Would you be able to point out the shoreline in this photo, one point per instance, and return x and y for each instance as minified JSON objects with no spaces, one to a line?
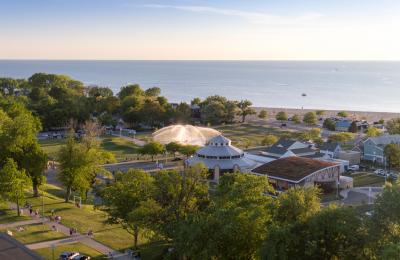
{"x":370,"y":116}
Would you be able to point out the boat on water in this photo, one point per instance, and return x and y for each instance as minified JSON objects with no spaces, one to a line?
{"x":304,"y":95}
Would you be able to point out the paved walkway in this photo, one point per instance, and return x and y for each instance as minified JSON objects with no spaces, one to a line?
{"x":20,"y":223}
{"x":65,"y":230}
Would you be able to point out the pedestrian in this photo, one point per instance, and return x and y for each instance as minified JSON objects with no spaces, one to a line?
{"x":52,"y":212}
{"x":70,"y":232}
{"x":36,"y":213}
{"x":110,"y":255}
{"x":30,"y":211}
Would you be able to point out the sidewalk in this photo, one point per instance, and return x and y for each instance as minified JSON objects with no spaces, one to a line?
{"x":20,"y":223}
{"x":65,"y":230}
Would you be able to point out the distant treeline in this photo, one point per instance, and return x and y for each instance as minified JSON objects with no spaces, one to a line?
{"x":58,"y":99}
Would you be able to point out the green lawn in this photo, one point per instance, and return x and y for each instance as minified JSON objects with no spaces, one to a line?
{"x":250,"y":135}
{"x":36,"y":233}
{"x":51,"y":147}
{"x":83,"y":219}
{"x":120,"y":147}
{"x":367,"y":179}
{"x":7,"y":215}
{"x":47,"y":253}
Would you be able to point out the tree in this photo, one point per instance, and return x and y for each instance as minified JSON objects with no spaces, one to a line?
{"x":18,"y":131}
{"x":196,"y":101}
{"x":296,"y":119}
{"x":296,"y":205}
{"x":340,"y":137}
{"x":329,"y":124}
{"x":130,"y":90}
{"x":281,"y":116}
{"x":152,"y":92}
{"x":234,"y":224}
{"x":393,"y":126}
{"x":392,"y":154}
{"x":342,"y":114}
{"x":269,"y":140}
{"x":188,"y":150}
{"x":13,"y":183}
{"x":245,"y":109}
{"x":34,"y":161}
{"x":320,"y":112}
{"x":384,"y":226}
{"x":80,"y":163}
{"x":372,"y":131}
{"x":310,"y":118}
{"x":126,"y":197}
{"x":152,"y":149}
{"x":173,"y":148}
{"x":263,"y":114}
{"x":178,"y":195}
{"x":353,"y":127}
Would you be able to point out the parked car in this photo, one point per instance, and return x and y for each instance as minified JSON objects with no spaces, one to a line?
{"x":68,"y":255}
{"x":380,"y":172}
{"x":392,"y":175}
{"x":354,"y":168}
{"x":81,"y":257}
{"x":283,"y":125}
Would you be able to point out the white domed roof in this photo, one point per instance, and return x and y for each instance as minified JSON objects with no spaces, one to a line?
{"x":219,"y":146}
{"x":184,"y":134}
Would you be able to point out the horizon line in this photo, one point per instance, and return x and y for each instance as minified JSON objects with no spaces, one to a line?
{"x":211,"y":60}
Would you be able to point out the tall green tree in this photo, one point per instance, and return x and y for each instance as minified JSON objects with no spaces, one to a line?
{"x":173,"y":148}
{"x":233,"y":226}
{"x":80,"y":162}
{"x":13,"y":183}
{"x":245,"y":109}
{"x":393,"y":126}
{"x":310,"y":118}
{"x":281,"y":116}
{"x":329,"y":124}
{"x":263,"y":114}
{"x":152,"y":149}
{"x":372,"y":131}
{"x":392,"y":154}
{"x":125,"y":200}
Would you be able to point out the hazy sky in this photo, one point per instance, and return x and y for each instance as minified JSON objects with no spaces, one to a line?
{"x":195,"y":29}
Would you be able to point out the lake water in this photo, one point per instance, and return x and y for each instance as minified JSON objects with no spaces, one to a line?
{"x":364,"y":86}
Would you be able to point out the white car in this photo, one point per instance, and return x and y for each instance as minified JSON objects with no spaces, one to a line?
{"x":354,"y":168}
{"x":380,"y":172}
{"x":68,"y":255}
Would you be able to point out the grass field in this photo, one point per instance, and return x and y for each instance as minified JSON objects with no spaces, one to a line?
{"x":367,"y":179}
{"x":121,"y":148}
{"x":36,"y":233}
{"x":84,"y":219}
{"x":7,"y":215}
{"x":47,"y":253}
{"x":251,"y":135}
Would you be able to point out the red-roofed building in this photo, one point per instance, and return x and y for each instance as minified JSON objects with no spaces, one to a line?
{"x":295,"y":171}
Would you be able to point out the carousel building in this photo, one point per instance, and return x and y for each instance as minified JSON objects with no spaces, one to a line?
{"x":220,"y":157}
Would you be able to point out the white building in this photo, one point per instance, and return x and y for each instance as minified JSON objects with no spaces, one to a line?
{"x":219,"y":156}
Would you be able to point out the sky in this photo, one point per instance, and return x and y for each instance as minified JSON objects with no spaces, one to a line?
{"x":200,"y":29}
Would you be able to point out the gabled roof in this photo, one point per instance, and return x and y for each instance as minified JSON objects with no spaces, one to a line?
{"x":384,"y":139}
{"x":302,"y":150}
{"x":280,"y":147}
{"x":329,"y":146}
{"x":292,"y":168}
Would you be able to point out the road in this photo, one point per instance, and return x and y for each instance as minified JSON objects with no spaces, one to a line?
{"x":147,"y":166}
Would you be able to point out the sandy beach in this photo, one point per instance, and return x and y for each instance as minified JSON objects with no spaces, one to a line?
{"x":359,"y":115}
